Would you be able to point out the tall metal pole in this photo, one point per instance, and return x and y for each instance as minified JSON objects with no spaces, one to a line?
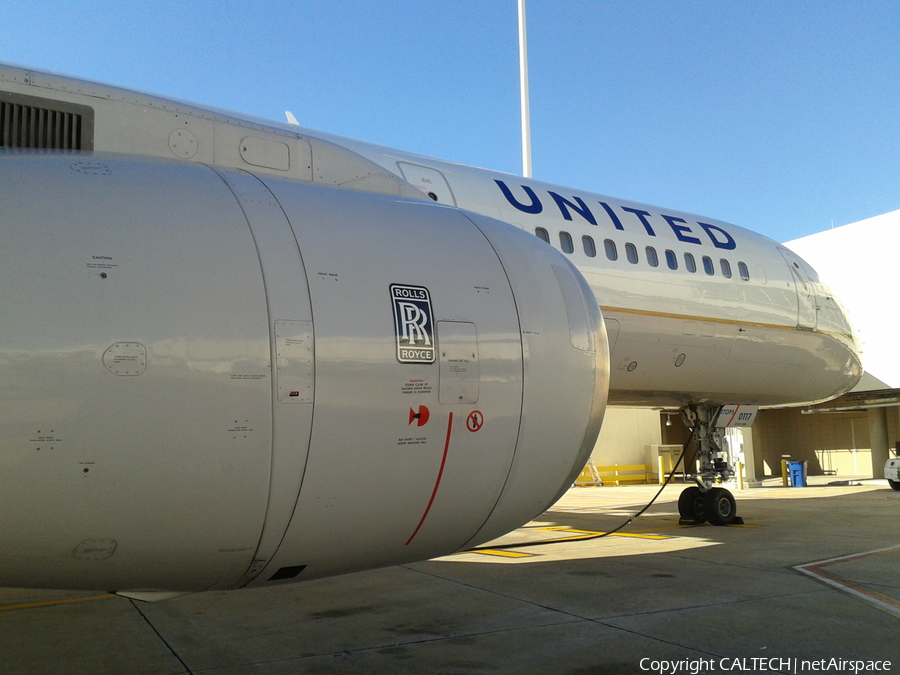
{"x":523,"y":88}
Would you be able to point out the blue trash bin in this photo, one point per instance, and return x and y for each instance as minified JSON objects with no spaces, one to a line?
{"x":797,"y":472}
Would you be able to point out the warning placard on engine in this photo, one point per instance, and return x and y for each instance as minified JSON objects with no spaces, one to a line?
{"x":413,"y":323}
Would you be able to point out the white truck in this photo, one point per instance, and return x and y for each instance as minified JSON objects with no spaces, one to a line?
{"x":892,"y":471}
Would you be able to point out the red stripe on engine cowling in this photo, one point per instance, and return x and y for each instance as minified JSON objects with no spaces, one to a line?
{"x":437,"y":483}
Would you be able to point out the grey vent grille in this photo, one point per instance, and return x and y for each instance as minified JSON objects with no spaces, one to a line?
{"x":31,"y":122}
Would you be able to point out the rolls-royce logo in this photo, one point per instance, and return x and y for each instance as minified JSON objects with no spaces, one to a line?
{"x":413,"y":324}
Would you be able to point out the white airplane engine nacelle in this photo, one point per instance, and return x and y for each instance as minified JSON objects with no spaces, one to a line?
{"x":210,"y":379}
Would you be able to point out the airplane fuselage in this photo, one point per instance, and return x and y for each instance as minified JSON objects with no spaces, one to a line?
{"x":697,"y":310}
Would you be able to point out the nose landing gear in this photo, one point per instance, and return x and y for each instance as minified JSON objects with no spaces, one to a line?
{"x":706,"y":501}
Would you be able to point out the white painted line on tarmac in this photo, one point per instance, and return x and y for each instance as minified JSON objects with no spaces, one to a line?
{"x":882,"y":602}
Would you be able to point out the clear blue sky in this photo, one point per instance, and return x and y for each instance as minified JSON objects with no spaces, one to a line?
{"x":781,"y":116}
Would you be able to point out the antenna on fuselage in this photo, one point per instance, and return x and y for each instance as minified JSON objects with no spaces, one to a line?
{"x":523,"y":88}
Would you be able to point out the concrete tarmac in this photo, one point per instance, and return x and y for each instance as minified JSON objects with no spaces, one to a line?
{"x":810,"y":583}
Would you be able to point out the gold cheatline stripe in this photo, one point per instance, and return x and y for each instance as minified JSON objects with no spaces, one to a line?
{"x":48,"y":603}
{"x":707,"y":319}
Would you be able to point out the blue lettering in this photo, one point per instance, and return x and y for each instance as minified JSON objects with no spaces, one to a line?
{"x":581,"y":208}
{"x":643,"y":217}
{"x":681,"y":230}
{"x":535,"y":207}
{"x":718,"y":236}
{"x":728,"y":244}
{"x":612,"y":216}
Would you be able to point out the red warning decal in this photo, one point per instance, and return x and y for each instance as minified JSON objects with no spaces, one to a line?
{"x":475,"y":420}
{"x":420,"y":417}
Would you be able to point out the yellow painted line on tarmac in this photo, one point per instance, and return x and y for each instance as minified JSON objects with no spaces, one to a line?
{"x":503,"y":554}
{"x":579,"y":535}
{"x":49,"y":603}
{"x":588,"y":534}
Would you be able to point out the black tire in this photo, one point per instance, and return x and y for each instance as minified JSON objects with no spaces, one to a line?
{"x":894,"y":484}
{"x":691,"y":505}
{"x":720,"y":506}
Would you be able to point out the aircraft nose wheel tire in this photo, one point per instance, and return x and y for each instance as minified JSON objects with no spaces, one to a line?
{"x":720,"y":506}
{"x":692,"y":506}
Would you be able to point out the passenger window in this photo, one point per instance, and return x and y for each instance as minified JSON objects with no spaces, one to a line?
{"x":589,"y":249}
{"x":631,"y":253}
{"x":652,"y":258}
{"x":542,"y":234}
{"x":690,"y":263}
{"x":726,"y":268}
{"x":708,"y":266}
{"x":743,"y":271}
{"x":611,"y":251}
{"x":565,"y":242}
{"x":671,"y":260}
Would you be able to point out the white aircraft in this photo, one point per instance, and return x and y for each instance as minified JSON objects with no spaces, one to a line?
{"x":236,"y":352}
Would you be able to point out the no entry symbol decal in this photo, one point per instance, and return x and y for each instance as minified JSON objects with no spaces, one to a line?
{"x":475,"y":420}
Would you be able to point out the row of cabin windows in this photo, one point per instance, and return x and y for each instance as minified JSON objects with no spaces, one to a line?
{"x":631,"y":254}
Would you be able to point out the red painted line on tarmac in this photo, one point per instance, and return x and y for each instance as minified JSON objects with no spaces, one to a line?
{"x":883,"y":602}
{"x":437,"y":483}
